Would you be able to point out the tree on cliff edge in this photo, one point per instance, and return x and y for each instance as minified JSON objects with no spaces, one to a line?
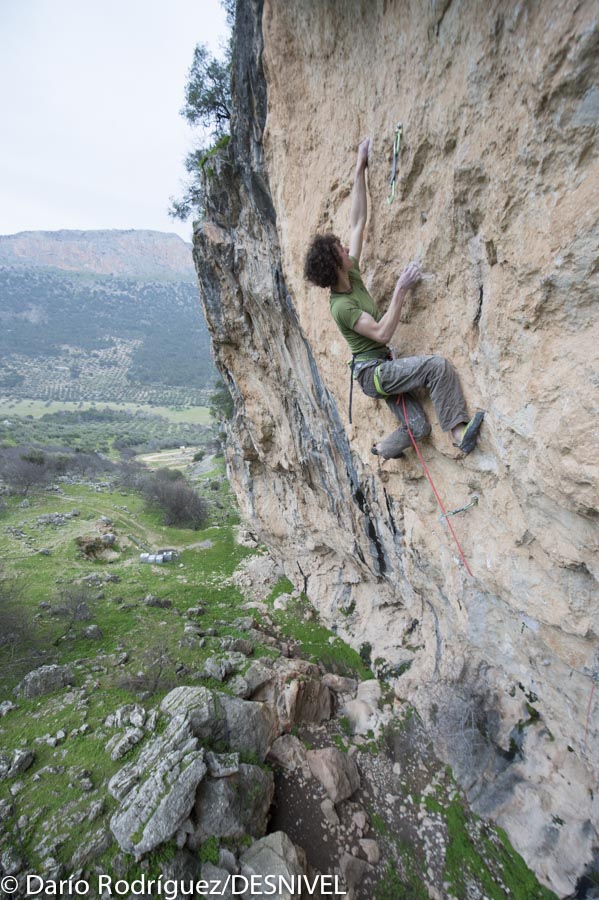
{"x":208,"y":92}
{"x":207,"y":106}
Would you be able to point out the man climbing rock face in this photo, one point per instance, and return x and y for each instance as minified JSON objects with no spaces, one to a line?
{"x":331,"y":265}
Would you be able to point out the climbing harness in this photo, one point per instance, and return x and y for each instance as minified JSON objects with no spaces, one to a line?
{"x":427,"y":473}
{"x":352,"y":364}
{"x":377,"y":382}
{"x":454,"y":512}
{"x":396,"y":146}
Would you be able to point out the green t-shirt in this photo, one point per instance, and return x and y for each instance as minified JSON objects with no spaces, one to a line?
{"x":346,"y":309}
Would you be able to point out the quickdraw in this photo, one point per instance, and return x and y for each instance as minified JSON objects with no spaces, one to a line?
{"x":454,"y":512}
{"x":396,"y":148}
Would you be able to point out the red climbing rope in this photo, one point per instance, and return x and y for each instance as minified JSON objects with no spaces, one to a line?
{"x":435,"y":491}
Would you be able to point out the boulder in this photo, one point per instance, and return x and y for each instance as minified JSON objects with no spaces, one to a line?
{"x":370,"y":692}
{"x":93,"y":632}
{"x":297,"y":693}
{"x":371,"y":850}
{"x":194,"y":611}
{"x":218,"y":880}
{"x":6,"y":810}
{"x":222,"y":764}
{"x":220,"y":667}
{"x":157,"y":602}
{"x":238,"y":645}
{"x":288,"y":752}
{"x":11,"y":862}
{"x":275,"y":855}
{"x":243,"y":725}
{"x":353,"y":870}
{"x":339,"y":684}
{"x":91,"y":847}
{"x":257,"y":675}
{"x":329,"y":812}
{"x":21,"y":761}
{"x":239,"y":687}
{"x":44,"y":680}
{"x":157,"y":792}
{"x":234,"y":806}
{"x":336,"y":771}
{"x":5,"y":764}
{"x":361,"y":716}
{"x":283,"y":601}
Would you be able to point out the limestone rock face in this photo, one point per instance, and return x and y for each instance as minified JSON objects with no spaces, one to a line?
{"x":241,"y":724}
{"x":157,"y":792}
{"x":233,"y":806}
{"x":497,"y":195}
{"x":45,"y":680}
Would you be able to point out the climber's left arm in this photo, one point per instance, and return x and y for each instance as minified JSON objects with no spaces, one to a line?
{"x":359,"y":204}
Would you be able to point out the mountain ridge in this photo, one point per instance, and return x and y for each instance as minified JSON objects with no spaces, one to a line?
{"x":133,"y":252}
{"x":102,"y":315}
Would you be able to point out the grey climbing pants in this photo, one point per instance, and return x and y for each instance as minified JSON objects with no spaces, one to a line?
{"x":403,"y":376}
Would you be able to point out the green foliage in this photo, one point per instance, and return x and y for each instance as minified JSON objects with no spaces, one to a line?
{"x":87,"y":431}
{"x":209,"y":851}
{"x":365,"y":652}
{"x":208,"y":106}
{"x":208,"y":92}
{"x":221,"y":402}
{"x":179,"y":503}
{"x":492,"y":861}
{"x":299,"y":623}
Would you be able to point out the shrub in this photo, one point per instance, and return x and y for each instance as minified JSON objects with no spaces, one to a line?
{"x":168,"y":491}
{"x":153,"y":674}
{"x":14,"y":626}
{"x":22,"y":469}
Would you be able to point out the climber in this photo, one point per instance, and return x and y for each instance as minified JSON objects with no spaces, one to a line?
{"x":330,"y":265}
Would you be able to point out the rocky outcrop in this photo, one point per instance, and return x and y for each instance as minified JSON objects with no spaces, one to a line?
{"x":157,"y":791}
{"x":496,"y":195}
{"x":177,"y":788}
{"x":44,"y":680}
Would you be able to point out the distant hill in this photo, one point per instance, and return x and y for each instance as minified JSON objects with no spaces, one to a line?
{"x":102,"y":315}
{"x":139,"y":254}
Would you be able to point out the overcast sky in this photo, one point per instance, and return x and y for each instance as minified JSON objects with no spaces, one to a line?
{"x":90,"y":93}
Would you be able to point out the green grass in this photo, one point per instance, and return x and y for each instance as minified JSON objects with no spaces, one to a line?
{"x":483,"y":853}
{"x":300,"y":623}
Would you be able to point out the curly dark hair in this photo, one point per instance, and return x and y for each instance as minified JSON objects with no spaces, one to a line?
{"x":322,"y":261}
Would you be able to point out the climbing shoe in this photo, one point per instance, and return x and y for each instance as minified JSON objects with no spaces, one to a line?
{"x":470,"y":436}
{"x":374,"y":449}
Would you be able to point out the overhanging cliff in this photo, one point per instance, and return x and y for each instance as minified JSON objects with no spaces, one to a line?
{"x":497,"y":195}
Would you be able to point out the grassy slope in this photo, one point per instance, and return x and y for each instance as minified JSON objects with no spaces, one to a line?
{"x":56,"y":808}
{"x":200,"y":576}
